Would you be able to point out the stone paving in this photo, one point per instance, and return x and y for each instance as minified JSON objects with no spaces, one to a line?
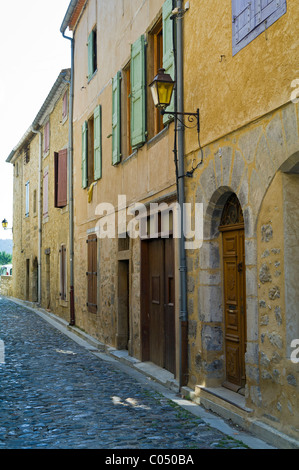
{"x":55,"y":394}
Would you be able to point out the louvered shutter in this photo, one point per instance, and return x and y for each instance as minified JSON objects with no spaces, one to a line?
{"x":90,"y":45}
{"x":45,"y":193}
{"x":138,"y":97}
{"x":168,"y":53}
{"x":116,"y":119}
{"x":47,"y":137}
{"x":61,"y":171}
{"x":27,"y":199}
{"x":84,"y":156}
{"x":92,"y":274}
{"x":98,"y":143}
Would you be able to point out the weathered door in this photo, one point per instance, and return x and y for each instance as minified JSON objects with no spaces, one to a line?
{"x":232,"y":227}
{"x":235,"y":306}
{"x":160,"y":303}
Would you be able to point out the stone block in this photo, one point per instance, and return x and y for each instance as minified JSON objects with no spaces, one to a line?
{"x":248,"y":143}
{"x":212,"y":338}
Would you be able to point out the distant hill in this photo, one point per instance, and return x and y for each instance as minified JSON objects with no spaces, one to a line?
{"x":6,"y":245}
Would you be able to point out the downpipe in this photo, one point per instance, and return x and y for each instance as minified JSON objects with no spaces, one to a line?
{"x":39,"y":285}
{"x":70,"y":179}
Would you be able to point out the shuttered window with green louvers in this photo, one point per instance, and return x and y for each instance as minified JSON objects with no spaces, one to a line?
{"x":138,"y":95}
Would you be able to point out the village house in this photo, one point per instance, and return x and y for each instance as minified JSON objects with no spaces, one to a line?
{"x":238,"y":67}
{"x":101,"y":176}
{"x":40,"y":205}
{"x":241,"y":70}
{"x":126,"y":288}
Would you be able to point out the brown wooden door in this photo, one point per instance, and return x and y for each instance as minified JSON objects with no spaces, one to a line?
{"x":161,"y":325}
{"x":235,"y":307}
{"x":92,"y":274}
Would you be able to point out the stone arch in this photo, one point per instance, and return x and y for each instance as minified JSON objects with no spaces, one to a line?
{"x":211,"y":287}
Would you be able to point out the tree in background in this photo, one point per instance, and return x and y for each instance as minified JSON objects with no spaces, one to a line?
{"x":5,"y":258}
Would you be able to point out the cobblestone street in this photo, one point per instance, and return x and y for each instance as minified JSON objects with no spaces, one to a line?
{"x":55,"y":394}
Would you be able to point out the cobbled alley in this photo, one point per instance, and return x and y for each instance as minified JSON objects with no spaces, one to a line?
{"x":56,"y":394}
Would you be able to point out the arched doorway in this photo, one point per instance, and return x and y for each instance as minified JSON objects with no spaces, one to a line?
{"x":233,"y":252}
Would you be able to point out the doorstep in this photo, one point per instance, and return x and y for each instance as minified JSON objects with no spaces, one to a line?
{"x":226,"y":403}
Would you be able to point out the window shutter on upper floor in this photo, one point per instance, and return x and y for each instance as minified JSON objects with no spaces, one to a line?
{"x":47,"y":137}
{"x":27,"y":185}
{"x":168,"y":53}
{"x":45,"y":193}
{"x":90,"y":46}
{"x":116,"y":119}
{"x":84,"y":155}
{"x":251,"y":18}
{"x":98,"y":143}
{"x":60,"y":178}
{"x":138,"y":95}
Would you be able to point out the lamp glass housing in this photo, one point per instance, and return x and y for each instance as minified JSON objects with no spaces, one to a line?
{"x":162,"y":89}
{"x":4,"y":223}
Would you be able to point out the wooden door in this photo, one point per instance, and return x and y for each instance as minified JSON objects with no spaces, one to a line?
{"x":160,"y":297}
{"x":235,"y":306}
{"x":169,"y":313}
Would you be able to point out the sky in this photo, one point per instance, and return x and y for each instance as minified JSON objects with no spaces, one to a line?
{"x":32,"y":54}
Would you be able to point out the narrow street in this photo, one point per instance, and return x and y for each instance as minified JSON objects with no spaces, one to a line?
{"x":55,"y":394}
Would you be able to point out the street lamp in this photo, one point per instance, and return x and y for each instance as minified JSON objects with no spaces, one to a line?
{"x":162,"y":89}
{"x":5,"y":225}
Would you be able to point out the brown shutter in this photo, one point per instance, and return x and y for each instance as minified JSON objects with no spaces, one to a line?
{"x":55,"y":178}
{"x":92,"y":273}
{"x":60,"y":168}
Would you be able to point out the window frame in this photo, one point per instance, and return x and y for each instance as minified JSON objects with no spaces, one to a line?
{"x":92,"y":53}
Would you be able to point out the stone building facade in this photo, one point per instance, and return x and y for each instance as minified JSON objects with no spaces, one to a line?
{"x":122,"y":157}
{"x":40,"y":209}
{"x":243,"y":302}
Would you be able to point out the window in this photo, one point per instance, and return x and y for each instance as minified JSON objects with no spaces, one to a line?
{"x":27,"y":199}
{"x":252,"y":18}
{"x":161,"y":55}
{"x":92,"y":148}
{"x":34,"y":202}
{"x":47,"y":137}
{"x":91,"y":274}
{"x":63,"y":267}
{"x":116,"y":119}
{"x":27,"y":155}
{"x":138,"y":93}
{"x":45,"y":192}
{"x":65,"y":106}
{"x":60,"y":178}
{"x":134,"y":117}
{"x":92,"y":53}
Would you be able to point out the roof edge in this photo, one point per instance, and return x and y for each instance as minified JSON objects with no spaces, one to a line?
{"x":64,"y":76}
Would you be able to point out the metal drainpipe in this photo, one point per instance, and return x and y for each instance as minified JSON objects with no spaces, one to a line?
{"x":39,"y":216}
{"x":181,"y":134}
{"x":70,"y":175}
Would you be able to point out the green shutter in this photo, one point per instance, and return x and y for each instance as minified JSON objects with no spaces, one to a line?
{"x":168,"y":54}
{"x":138,"y":96}
{"x":116,"y":119}
{"x":84,"y":155}
{"x":97,"y":143}
{"x":90,"y":54}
